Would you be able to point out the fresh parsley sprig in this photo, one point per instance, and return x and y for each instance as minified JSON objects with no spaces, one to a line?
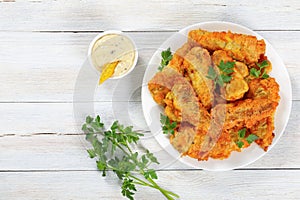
{"x":241,"y":135}
{"x":166,"y":57}
{"x":112,"y":150}
{"x":224,"y":77}
{"x":167,"y":126}
{"x":257,"y":72}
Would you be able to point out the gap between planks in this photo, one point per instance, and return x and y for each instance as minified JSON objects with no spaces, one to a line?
{"x":160,"y":170}
{"x":137,"y":31}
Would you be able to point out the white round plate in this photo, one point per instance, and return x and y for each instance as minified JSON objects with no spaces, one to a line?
{"x":237,"y":159}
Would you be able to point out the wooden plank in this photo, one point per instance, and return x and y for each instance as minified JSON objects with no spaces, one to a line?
{"x":155,"y":15}
{"x":68,"y":152}
{"x":43,"y":67}
{"x":201,"y":184}
{"x":30,"y":118}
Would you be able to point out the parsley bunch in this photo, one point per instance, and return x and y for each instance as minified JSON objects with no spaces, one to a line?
{"x":241,"y":134}
{"x":257,"y":72}
{"x":166,"y":57}
{"x":224,"y":77}
{"x":167,"y":126}
{"x":131,"y":168}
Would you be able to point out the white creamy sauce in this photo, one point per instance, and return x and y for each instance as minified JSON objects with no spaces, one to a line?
{"x":113,"y":47}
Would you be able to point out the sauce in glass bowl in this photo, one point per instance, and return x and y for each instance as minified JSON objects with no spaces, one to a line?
{"x":112,"y":46}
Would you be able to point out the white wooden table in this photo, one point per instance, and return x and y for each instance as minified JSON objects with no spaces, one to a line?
{"x":42,"y":48}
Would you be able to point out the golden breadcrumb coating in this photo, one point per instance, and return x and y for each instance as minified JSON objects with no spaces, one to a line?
{"x":244,"y":48}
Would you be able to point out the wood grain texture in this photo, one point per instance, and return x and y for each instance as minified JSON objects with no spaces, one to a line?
{"x":44,"y":67}
{"x":31,"y":118}
{"x":68,"y":152}
{"x":146,"y":15}
{"x":201,"y":185}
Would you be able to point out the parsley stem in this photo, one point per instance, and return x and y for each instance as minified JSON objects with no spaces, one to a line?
{"x":163,"y":191}
{"x":128,"y":149}
{"x":141,"y":182}
{"x":154,"y":185}
{"x":115,"y":143}
{"x":111,"y":167}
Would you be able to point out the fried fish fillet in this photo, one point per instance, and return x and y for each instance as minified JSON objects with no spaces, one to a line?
{"x":237,"y":86}
{"x":264,"y":130}
{"x":197,"y":62}
{"x":158,"y":92}
{"x":227,"y":120}
{"x":255,"y":114}
{"x":178,"y":58}
{"x":225,"y":145}
{"x":244,"y":48}
{"x":181,"y":96}
{"x":155,"y":86}
{"x":193,"y":64}
{"x":193,"y":117}
{"x":186,"y":102}
{"x":264,"y":89}
{"x":249,"y":111}
{"x":161,"y":84}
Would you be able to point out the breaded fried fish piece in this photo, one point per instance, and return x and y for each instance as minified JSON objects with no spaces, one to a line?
{"x":249,"y":111}
{"x":264,"y":89}
{"x":159,"y":91}
{"x":187,"y":103}
{"x":264,"y":130}
{"x":193,"y":64}
{"x":197,"y":62}
{"x":161,"y":84}
{"x":184,"y":99}
{"x":193,"y":119}
{"x":225,"y":145}
{"x":178,"y":58}
{"x":244,"y":48}
{"x":237,"y":86}
{"x":226,"y":120}
{"x":183,"y":138}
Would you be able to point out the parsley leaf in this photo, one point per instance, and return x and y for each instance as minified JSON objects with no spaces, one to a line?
{"x":242,"y":133}
{"x":150,"y":173}
{"x":166,"y":57}
{"x":263,"y":64}
{"x":251,"y":138}
{"x":128,"y":188}
{"x":240,"y":143}
{"x":224,"y":77}
{"x":254,"y":72}
{"x":91,"y":153}
{"x":264,"y":76}
{"x":257,"y":72}
{"x":241,"y":136}
{"x":224,"y":67}
{"x":167,"y":126}
{"x":113,"y":152}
